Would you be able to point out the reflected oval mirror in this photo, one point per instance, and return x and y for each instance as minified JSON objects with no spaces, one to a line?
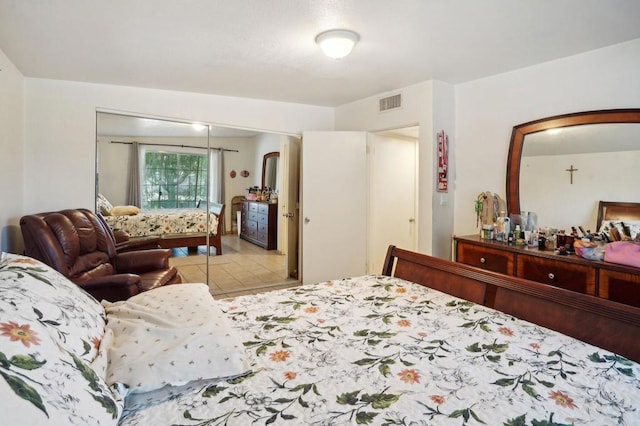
{"x":270,"y":166}
{"x":561,"y":167}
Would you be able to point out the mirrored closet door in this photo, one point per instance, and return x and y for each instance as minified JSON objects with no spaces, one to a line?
{"x":187,"y":182}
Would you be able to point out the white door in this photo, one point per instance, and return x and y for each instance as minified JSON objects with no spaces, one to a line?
{"x":334,"y":205}
{"x":392,"y":197}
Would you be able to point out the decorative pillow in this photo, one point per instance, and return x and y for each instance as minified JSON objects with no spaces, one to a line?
{"x":124,"y":210}
{"x":608,"y":225}
{"x":169,"y":336}
{"x":633,"y":226}
{"x":626,"y":228}
{"x":104,"y":206}
{"x":44,"y":383}
{"x":42,"y":295}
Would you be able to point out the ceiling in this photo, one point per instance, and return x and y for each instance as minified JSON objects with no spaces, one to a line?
{"x":266,"y":50}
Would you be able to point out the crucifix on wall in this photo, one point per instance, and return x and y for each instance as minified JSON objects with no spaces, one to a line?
{"x":571,"y":170}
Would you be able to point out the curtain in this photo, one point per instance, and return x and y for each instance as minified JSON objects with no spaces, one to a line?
{"x":133,"y":190}
{"x":216,"y":193}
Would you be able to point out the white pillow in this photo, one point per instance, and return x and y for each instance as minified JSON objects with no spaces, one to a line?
{"x":124,"y":211}
{"x":169,"y":336}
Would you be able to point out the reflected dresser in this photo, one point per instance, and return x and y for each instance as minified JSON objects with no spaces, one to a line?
{"x":260,"y":224}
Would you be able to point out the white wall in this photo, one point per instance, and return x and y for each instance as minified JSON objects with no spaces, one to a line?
{"x":486,"y":111}
{"x":60,"y":129}
{"x":429,"y":105}
{"x":11,"y":154}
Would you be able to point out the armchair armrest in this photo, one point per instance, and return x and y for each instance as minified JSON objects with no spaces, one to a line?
{"x":120,"y":236}
{"x":142,"y":243}
{"x":112,"y":287}
{"x":141,"y":261}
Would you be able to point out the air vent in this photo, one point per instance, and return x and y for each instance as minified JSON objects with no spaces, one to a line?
{"x":390,"y":102}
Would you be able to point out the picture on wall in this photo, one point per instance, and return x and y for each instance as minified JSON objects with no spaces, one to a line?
{"x":443,"y":160}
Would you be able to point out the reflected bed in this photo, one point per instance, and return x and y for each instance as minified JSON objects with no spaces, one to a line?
{"x":175,"y":227}
{"x":617,"y":211}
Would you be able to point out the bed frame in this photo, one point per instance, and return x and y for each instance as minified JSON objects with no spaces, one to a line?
{"x":193,"y":241}
{"x":614,"y":210}
{"x":603,"y":323}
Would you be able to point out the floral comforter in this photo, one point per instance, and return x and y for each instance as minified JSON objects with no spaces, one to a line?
{"x":164,"y":222}
{"x":379,"y":350}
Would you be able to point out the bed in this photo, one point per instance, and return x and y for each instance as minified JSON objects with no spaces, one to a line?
{"x":176,"y":227}
{"x":427,"y":342}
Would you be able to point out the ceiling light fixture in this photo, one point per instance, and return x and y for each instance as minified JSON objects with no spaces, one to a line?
{"x":337,"y":44}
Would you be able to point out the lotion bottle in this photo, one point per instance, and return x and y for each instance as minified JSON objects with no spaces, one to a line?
{"x":517,"y":233}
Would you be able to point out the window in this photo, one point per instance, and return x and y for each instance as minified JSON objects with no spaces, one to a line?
{"x":173,"y":179}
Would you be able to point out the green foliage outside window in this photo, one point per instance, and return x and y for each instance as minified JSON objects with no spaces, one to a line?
{"x":173,"y":180}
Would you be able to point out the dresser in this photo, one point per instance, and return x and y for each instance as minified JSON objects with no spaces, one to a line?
{"x":260,"y":224}
{"x":597,"y":278}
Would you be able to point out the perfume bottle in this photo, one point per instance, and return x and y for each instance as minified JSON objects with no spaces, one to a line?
{"x":501,"y":224}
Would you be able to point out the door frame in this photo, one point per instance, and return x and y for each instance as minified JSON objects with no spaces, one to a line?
{"x":408,"y":133}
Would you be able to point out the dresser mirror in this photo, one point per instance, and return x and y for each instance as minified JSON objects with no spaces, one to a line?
{"x":270,"y":165}
{"x":561,"y":167}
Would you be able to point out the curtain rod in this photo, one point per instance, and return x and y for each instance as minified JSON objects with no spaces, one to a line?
{"x":175,"y":145}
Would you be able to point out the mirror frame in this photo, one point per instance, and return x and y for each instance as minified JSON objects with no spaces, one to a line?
{"x":575,"y":119}
{"x":264,"y":163}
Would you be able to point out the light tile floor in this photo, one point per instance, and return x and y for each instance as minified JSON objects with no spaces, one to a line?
{"x":243,"y":268}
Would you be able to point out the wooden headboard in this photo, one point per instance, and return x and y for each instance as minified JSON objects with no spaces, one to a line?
{"x":614,"y":210}
{"x":600,"y":322}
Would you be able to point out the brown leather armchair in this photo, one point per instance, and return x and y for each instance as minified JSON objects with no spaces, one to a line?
{"x":81,"y":246}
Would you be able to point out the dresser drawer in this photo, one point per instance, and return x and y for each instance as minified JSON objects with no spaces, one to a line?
{"x":571,"y":276}
{"x":252,"y":216}
{"x":263,"y":208}
{"x":250,"y":228}
{"x":619,"y":286}
{"x":253,"y":207}
{"x":263,"y":232}
{"x":262,"y":218}
{"x":486,"y":258}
